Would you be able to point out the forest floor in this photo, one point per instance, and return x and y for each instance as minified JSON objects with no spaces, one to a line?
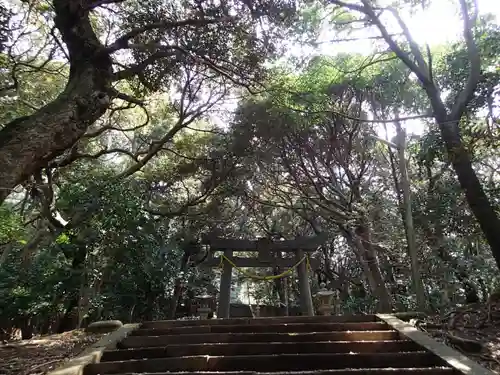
{"x":473,"y":330}
{"x":42,"y":354}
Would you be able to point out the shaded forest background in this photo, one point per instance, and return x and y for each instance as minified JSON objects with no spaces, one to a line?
{"x":132,"y":128}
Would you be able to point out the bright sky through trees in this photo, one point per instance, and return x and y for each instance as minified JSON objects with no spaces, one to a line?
{"x":437,"y":25}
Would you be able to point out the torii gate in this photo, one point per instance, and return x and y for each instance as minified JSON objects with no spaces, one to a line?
{"x":269,"y":256}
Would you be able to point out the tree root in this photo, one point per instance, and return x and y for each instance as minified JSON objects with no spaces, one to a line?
{"x":467,"y":345}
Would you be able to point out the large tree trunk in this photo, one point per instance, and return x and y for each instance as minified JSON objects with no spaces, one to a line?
{"x":28,"y":143}
{"x":361,"y":242}
{"x":460,"y":157}
{"x":370,"y":256}
{"x":480,"y":205}
{"x":436,"y":240}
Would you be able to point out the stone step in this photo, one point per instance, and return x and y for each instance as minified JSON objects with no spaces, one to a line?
{"x":353,"y":371}
{"x":269,"y":363}
{"x":274,"y":327}
{"x":261,"y":321}
{"x":230,"y":349}
{"x":155,"y":341}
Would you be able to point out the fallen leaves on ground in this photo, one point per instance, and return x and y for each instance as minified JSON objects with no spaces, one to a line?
{"x":474,"y":330}
{"x":42,"y":354}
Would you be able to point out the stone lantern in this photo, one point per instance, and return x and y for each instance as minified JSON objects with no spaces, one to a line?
{"x":204,"y":310}
{"x":325,"y":300}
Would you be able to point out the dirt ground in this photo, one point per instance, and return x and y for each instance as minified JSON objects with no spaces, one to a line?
{"x":42,"y":354}
{"x":473,"y":330}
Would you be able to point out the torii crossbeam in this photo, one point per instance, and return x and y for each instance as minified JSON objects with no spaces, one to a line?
{"x":269,"y":256}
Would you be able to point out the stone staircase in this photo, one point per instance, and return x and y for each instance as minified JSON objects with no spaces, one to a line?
{"x":336,"y":345}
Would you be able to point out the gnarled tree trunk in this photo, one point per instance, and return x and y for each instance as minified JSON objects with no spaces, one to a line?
{"x":361,"y":243}
{"x":28,"y":143}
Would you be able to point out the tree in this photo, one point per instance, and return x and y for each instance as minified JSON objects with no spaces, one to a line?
{"x":160,"y":37}
{"x":110,"y":227}
{"x":448,"y":118}
{"x":313,"y":157}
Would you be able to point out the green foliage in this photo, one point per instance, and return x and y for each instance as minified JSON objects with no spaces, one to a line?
{"x":32,"y":289}
{"x":298,"y":157}
{"x":11,"y":226}
{"x":35,"y":87}
{"x":453,"y":67}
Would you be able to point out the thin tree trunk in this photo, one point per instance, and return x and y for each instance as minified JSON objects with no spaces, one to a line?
{"x":77,"y":265}
{"x":418,"y":286}
{"x":280,"y":286}
{"x":437,"y":242}
{"x":178,"y":287}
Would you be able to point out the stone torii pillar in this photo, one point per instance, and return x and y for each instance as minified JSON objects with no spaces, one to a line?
{"x":267,"y":258}
{"x":225,"y":288}
{"x":306,"y":303}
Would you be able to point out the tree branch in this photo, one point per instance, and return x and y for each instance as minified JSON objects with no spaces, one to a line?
{"x":474,"y":59}
{"x":77,"y":155}
{"x":415,"y":50}
{"x":122,"y":42}
{"x":369,"y":10}
{"x":136,"y":69}
{"x":126,"y":98}
{"x":98,"y":3}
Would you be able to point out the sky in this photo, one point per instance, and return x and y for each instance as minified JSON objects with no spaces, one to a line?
{"x":438,"y":25}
